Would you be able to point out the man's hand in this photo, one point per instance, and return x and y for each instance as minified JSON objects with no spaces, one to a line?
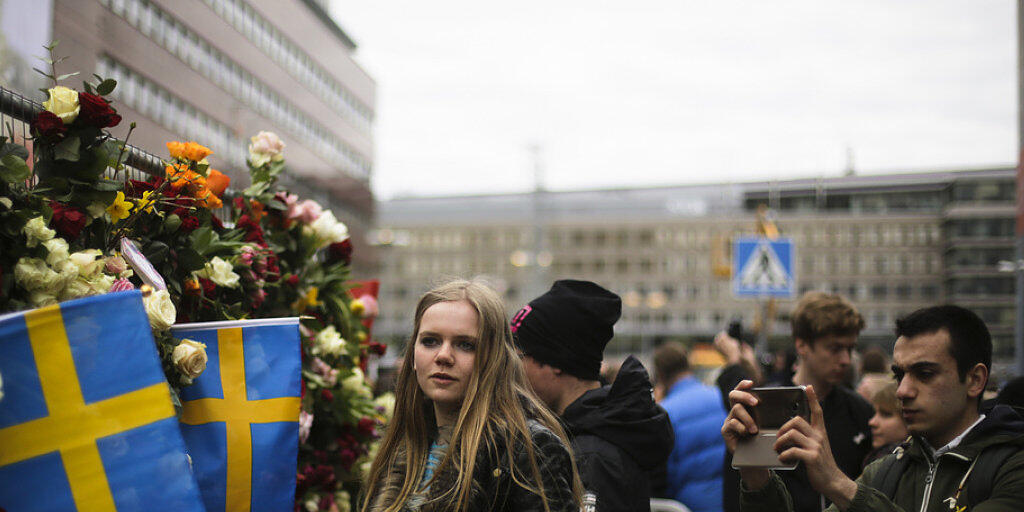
{"x":808,"y":443}
{"x":740,"y":424}
{"x":728,"y":346}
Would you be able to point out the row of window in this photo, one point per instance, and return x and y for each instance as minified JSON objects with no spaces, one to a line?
{"x":866,"y":264}
{"x":172,"y":112}
{"x":206,"y":60}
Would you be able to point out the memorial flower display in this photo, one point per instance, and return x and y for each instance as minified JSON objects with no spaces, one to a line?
{"x":73,"y":224}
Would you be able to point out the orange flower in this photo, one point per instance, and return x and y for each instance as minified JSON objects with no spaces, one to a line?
{"x":188,"y":150}
{"x":181,"y":176}
{"x":192,"y":287}
{"x":206,"y":198}
{"x":217,"y":181}
{"x":257,"y":210}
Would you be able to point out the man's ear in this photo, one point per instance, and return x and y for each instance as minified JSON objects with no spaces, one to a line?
{"x":976,"y":380}
{"x":801,"y":346}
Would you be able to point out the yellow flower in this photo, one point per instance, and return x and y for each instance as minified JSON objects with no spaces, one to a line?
{"x":357,"y":307}
{"x":146,"y":202}
{"x":307,"y":301}
{"x":63,"y":102}
{"x":119,"y":209}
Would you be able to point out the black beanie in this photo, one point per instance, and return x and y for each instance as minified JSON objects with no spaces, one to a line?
{"x":568,"y":327}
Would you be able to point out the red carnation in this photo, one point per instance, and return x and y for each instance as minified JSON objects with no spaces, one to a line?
{"x":68,"y":220}
{"x":189,"y":223}
{"x":96,"y":111}
{"x":340,"y":251}
{"x":367,"y":426}
{"x":208,"y":286}
{"x":47,"y":124}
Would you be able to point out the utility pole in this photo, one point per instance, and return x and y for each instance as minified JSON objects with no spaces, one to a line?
{"x":1018,"y":331}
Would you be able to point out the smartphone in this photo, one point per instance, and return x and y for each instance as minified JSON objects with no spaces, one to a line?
{"x":775,"y":406}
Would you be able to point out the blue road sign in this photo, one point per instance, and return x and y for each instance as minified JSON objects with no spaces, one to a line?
{"x":762,"y":267}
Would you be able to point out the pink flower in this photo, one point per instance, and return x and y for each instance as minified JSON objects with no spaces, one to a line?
{"x":370,"y":307}
{"x":121,"y":285}
{"x":305,"y":424}
{"x":324,"y":370}
{"x":246,"y":255}
{"x":306,"y":211}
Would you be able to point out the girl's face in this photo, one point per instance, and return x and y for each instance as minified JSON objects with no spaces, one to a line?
{"x":887,"y":427}
{"x":444,"y":354}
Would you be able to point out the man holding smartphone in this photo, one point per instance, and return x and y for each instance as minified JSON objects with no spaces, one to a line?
{"x":825,"y":329}
{"x":957,"y":457}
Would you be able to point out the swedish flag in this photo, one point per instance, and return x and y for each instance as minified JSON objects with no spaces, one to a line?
{"x":86,"y":421}
{"x":240,"y":418}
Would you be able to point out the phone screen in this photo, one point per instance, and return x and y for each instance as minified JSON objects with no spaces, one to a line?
{"x":776,"y":406}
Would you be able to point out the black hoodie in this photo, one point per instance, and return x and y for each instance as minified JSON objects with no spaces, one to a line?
{"x":619,"y":437}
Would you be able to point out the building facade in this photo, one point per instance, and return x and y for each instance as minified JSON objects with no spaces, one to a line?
{"x":890,"y":243}
{"x":218,"y":72}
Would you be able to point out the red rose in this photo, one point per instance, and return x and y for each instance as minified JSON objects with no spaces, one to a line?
{"x":293,"y":280}
{"x":47,"y":124}
{"x":327,"y":395}
{"x":340,"y":251}
{"x":96,"y":111}
{"x":367,"y":426}
{"x":378,"y":348}
{"x":68,"y":220}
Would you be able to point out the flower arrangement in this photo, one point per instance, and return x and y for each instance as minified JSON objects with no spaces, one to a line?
{"x":68,"y":230}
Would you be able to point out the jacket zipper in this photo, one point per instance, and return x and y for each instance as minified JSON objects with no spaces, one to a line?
{"x":928,"y":483}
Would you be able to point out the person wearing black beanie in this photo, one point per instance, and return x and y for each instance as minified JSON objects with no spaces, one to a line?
{"x":619,"y":435}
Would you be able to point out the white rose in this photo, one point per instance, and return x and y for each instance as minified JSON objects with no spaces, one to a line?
{"x":265,"y":147}
{"x":101,"y":283}
{"x":220,"y":272}
{"x":64,"y":103}
{"x":34,"y":275}
{"x":36,"y":231}
{"x":6,"y":201}
{"x":40,"y":298}
{"x":328,"y":341}
{"x":96,"y":210}
{"x":189,"y":358}
{"x":58,"y":251}
{"x":356,"y":384}
{"x":88,"y":261}
{"x":76,"y":288}
{"x":160,"y":310}
{"x":328,"y":230}
{"x":68,"y":272}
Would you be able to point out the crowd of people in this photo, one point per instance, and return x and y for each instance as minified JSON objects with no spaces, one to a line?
{"x":516,"y":415}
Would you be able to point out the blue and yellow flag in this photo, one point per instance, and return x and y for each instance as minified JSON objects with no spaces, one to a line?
{"x":86,"y":421}
{"x":240,"y":418}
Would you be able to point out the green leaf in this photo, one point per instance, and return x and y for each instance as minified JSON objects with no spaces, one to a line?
{"x":190,"y":260}
{"x":171,"y":223}
{"x":106,"y":87}
{"x":64,"y":77}
{"x":14,"y":149}
{"x":67,"y":149}
{"x":105,"y":185}
{"x":87,"y":87}
{"x":44,"y":73}
{"x":202,"y":238}
{"x":14,"y":169}
{"x":156,"y":251}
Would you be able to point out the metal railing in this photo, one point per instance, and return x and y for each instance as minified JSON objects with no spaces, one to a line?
{"x":17,"y":112}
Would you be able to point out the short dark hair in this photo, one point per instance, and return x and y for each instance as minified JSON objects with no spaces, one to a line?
{"x":820,"y":314}
{"x":969,"y":340}
{"x":670,"y":360}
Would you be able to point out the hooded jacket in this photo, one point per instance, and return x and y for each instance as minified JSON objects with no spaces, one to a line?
{"x":927,"y":485}
{"x":695,"y":466}
{"x":619,"y":436}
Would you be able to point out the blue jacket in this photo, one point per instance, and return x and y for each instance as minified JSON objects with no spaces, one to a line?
{"x":695,"y":465}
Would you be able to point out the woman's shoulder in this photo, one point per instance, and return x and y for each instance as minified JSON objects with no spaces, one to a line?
{"x":543,"y":437}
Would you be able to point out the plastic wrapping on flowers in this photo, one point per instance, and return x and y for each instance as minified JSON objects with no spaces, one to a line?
{"x":61,"y":229}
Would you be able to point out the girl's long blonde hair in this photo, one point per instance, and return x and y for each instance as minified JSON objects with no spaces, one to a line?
{"x":492,"y":412}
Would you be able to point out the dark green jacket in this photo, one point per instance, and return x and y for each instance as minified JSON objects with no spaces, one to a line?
{"x":1002,"y":425}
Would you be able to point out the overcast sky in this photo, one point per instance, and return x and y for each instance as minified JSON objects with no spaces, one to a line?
{"x":671,"y":92}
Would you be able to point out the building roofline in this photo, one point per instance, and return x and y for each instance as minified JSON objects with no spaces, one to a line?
{"x":330,"y":24}
{"x":753,"y":185}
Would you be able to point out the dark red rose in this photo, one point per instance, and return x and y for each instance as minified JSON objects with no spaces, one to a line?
{"x":347,"y":457}
{"x":189,"y":223}
{"x":367,"y":426}
{"x":255,"y":235}
{"x":68,"y":220}
{"x":378,"y":348}
{"x":293,"y":280}
{"x":327,"y":395}
{"x":47,"y":124}
{"x":208,"y":286}
{"x":340,"y":251}
{"x":96,"y":111}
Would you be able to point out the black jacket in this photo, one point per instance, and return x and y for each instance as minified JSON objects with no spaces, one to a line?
{"x":493,"y":487}
{"x":619,"y":436}
{"x":846,"y":419}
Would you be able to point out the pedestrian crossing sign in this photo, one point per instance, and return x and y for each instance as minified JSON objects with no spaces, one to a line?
{"x":763,"y":267}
